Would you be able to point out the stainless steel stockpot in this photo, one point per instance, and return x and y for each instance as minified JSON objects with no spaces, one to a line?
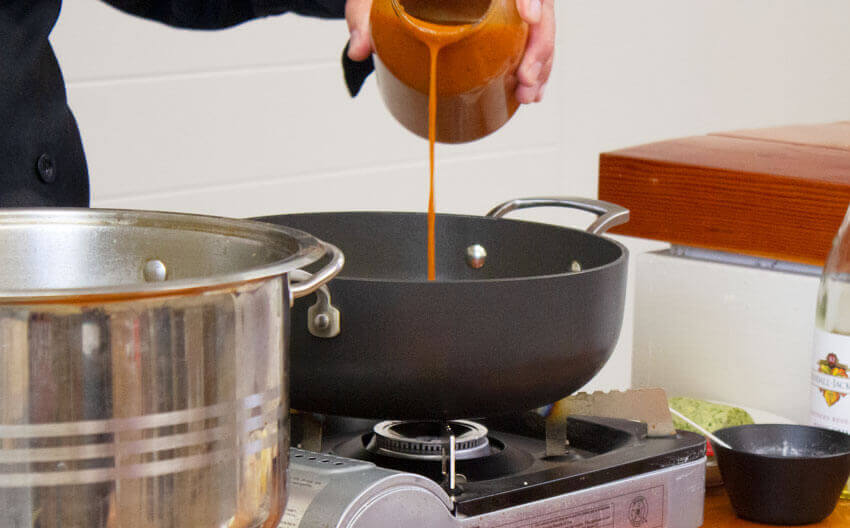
{"x":143,"y":370}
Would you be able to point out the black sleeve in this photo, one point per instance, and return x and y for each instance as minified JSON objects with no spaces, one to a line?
{"x":217,"y":14}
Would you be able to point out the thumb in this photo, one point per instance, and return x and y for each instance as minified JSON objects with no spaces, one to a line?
{"x":357,"y":16}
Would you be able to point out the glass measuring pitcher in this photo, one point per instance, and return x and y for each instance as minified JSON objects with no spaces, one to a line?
{"x":477,"y":44}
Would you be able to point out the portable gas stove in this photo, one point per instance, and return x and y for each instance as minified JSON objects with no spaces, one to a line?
{"x":497,"y":475}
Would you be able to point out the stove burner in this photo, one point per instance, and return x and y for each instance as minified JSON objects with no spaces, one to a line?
{"x":605,"y":453}
{"x":428,"y":440}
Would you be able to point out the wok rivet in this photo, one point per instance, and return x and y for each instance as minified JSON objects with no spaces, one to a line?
{"x":322,"y":321}
{"x":155,"y":271}
{"x":575,"y":266}
{"x":476,"y":255}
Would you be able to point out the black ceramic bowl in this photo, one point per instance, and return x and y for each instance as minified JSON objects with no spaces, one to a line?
{"x":783,"y":474}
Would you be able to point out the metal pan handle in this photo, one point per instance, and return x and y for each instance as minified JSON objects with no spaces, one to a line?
{"x":323,"y":319}
{"x":610,"y":215}
{"x":321,"y":277}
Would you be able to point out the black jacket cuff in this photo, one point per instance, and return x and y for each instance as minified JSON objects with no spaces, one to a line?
{"x":218,"y":14}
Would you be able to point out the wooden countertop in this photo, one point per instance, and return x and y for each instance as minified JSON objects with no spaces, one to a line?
{"x":719,"y":514}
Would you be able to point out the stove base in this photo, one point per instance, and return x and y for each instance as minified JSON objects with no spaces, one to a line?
{"x":328,"y":491}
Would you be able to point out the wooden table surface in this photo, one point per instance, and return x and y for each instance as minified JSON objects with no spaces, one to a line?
{"x":719,"y":514}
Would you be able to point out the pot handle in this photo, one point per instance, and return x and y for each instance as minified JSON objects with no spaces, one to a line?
{"x":323,"y":317}
{"x":321,"y":277}
{"x":609,"y":214}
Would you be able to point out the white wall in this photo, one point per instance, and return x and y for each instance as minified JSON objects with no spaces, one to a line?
{"x":255,"y":120}
{"x":725,"y":332}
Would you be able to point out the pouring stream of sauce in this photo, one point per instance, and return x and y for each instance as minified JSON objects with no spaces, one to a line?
{"x":432,"y":138}
{"x":447,"y":72}
{"x":440,"y":23}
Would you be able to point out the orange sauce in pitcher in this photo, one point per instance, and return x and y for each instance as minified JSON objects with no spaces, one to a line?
{"x":470,"y":96}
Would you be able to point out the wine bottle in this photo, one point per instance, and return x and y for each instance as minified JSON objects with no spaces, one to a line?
{"x":831,"y":358}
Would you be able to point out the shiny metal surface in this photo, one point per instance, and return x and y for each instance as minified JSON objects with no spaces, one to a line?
{"x":317,"y":280}
{"x":609,"y":214}
{"x":452,"y":470}
{"x":58,"y":253}
{"x":334,"y":492}
{"x":136,"y":404}
{"x":155,"y":271}
{"x":431,"y":440}
{"x":735,"y":259}
{"x":323,"y":319}
{"x":476,"y":256}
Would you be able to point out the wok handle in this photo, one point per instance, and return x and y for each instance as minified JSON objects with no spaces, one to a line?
{"x":321,"y":277}
{"x":609,"y":214}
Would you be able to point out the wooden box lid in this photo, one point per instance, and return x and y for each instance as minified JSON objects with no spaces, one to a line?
{"x":779,"y":193}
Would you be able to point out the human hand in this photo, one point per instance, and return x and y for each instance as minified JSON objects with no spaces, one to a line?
{"x":536,"y":65}
{"x":357,"y":16}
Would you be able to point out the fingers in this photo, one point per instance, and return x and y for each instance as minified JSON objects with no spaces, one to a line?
{"x":540,"y":93}
{"x":536,"y":65}
{"x":357,"y":16}
{"x":544,"y":78}
{"x":530,"y":10}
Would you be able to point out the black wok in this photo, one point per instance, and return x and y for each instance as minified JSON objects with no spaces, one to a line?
{"x":533,"y":324}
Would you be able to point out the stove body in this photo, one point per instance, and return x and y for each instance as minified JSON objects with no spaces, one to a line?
{"x":613,"y":477}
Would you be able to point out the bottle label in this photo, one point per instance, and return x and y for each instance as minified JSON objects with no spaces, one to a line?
{"x":830,"y":381}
